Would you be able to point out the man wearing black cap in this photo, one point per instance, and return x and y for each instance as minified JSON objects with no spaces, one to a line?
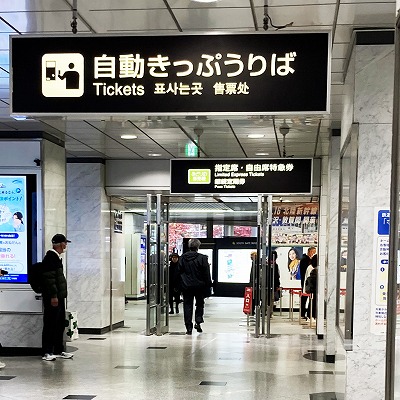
{"x":54,"y":294}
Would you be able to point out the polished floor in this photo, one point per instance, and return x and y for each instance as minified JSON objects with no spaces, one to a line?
{"x":223,"y":362}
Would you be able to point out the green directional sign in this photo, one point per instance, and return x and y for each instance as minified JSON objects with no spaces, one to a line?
{"x":199,"y":176}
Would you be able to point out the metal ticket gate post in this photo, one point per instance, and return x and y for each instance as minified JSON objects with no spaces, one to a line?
{"x":157,"y":274}
{"x":262,"y":274}
{"x":270,"y":266}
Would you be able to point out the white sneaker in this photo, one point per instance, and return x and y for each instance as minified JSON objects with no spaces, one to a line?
{"x":64,"y":355}
{"x":49,"y":357}
{"x":2,"y":365}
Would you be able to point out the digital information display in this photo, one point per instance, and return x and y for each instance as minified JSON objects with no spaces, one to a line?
{"x":13,"y":228}
{"x":246,"y":176}
{"x":209,"y":254}
{"x":258,"y":73}
{"x":234,"y":265}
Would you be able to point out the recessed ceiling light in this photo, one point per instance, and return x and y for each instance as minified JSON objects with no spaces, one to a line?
{"x":128,"y":137}
{"x":255,"y":135}
{"x":154,"y":154}
{"x":262,"y":154}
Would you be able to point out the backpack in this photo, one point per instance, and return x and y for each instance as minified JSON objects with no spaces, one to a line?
{"x":35,"y":275}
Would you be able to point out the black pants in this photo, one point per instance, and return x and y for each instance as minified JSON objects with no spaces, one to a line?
{"x":174,"y":296}
{"x":53,"y":327}
{"x":188,"y":297}
{"x":312,"y":301}
{"x":303,"y":301}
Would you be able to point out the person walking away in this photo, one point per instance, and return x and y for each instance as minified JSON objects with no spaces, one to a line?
{"x":54,"y":294}
{"x":304,"y":263}
{"x":196,"y":284}
{"x":174,"y":283}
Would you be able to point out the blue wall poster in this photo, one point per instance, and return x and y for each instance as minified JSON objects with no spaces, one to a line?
{"x":13,"y":229}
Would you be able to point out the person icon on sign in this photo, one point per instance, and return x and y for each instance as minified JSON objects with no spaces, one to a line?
{"x":71,"y":77}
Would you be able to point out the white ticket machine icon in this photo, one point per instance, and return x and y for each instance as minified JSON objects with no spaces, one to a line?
{"x":63,"y":75}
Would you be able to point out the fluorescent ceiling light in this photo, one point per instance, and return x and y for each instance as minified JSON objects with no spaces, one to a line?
{"x":128,"y":137}
{"x":255,"y":135}
{"x":188,"y":211}
{"x":154,"y":154}
{"x":262,"y":154}
{"x":282,"y":201}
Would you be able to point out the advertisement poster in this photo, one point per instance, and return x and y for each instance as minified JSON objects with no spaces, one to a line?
{"x":13,"y":236}
{"x":288,"y":260}
{"x":295,"y":224}
{"x":380,"y":271}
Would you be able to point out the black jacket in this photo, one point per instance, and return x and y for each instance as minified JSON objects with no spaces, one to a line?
{"x":174,"y":278}
{"x":54,"y":283}
{"x":194,"y":271}
{"x":304,"y":263}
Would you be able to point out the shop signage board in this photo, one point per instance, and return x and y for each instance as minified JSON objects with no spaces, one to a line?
{"x":241,"y":176}
{"x":260,"y":73}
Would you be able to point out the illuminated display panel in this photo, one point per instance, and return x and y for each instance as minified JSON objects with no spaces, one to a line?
{"x":234,"y":265}
{"x":13,"y":228}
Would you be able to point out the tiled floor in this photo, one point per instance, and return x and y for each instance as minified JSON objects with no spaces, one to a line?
{"x":223,"y":362}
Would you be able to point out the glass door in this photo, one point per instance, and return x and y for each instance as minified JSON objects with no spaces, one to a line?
{"x":163,"y":270}
{"x":157,"y":265}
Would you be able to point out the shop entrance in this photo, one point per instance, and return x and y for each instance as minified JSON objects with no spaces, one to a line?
{"x":230,"y":229}
{"x":225,"y":256}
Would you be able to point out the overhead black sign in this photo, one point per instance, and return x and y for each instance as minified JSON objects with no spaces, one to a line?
{"x":238,"y":73}
{"x":248,"y":176}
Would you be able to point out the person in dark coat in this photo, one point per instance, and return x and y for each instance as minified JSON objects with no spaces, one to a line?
{"x":196,"y":283}
{"x":313,"y":286}
{"x":54,"y":286}
{"x":304,"y":263}
{"x":174,"y":283}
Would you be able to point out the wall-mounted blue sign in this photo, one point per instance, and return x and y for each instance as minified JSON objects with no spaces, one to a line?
{"x":383,"y":222}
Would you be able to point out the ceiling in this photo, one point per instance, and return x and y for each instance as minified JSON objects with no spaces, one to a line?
{"x":167,"y":137}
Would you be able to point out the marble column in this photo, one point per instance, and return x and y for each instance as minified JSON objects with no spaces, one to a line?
{"x":54,"y":198}
{"x":371,"y":73}
{"x":322,"y":243}
{"x":89,"y":255}
{"x":331,"y":250}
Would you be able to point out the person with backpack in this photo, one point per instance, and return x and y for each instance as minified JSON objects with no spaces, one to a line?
{"x":54,"y":293}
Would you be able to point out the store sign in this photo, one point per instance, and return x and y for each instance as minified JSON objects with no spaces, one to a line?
{"x":231,"y":73}
{"x":247,"y":176}
{"x":13,"y":229}
{"x":117,"y":221}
